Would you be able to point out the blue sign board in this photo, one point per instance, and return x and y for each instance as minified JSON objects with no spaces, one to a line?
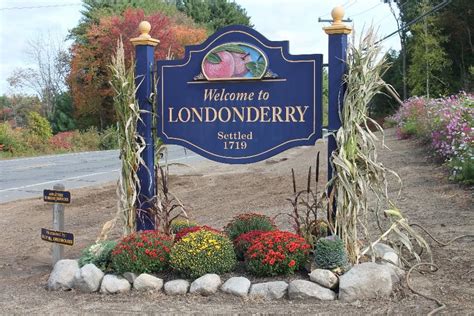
{"x":57,"y":236}
{"x":240,"y":98}
{"x":55,"y":196}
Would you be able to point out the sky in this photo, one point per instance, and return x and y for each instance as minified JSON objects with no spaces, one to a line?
{"x":22,"y":21}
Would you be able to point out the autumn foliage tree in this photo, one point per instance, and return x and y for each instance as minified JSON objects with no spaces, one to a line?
{"x":90,"y":76}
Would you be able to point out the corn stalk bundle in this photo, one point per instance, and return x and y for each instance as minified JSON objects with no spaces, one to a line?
{"x":358,"y":174}
{"x":130,"y":143}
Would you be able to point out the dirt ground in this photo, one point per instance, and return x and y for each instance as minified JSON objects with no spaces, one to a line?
{"x":214,"y":193}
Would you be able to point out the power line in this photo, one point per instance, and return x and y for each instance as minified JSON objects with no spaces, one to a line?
{"x":342,"y":5}
{"x":351,"y":4}
{"x":388,"y":14}
{"x":41,"y":6}
{"x":365,"y":11}
{"x":433,"y":10}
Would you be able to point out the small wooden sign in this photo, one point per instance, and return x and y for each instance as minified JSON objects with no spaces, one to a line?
{"x":57,"y":236}
{"x":55,"y":196}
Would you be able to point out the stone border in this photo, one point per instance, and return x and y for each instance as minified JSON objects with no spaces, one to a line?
{"x":363,"y":281}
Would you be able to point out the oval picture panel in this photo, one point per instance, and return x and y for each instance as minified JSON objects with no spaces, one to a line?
{"x":234,"y":61}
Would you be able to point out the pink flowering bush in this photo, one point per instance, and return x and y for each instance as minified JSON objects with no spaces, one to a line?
{"x":448,"y":125}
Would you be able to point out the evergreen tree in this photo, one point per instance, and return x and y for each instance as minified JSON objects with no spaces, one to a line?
{"x":214,"y":13}
{"x":428,"y":58}
{"x":62,"y":118}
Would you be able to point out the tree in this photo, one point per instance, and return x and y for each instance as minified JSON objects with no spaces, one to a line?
{"x":428,"y":58}
{"x":95,"y":10}
{"x":450,"y":32}
{"x":62,"y":118}
{"x":402,"y":33}
{"x":383,"y":104}
{"x":456,"y":22}
{"x":48,"y":78}
{"x":17,"y":105}
{"x":38,"y":126}
{"x":90,"y":76}
{"x":214,"y":13}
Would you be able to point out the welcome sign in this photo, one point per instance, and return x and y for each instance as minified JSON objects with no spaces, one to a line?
{"x":240,"y":98}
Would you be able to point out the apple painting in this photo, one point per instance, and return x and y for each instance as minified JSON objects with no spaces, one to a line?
{"x":233,"y":61}
{"x":222,"y":66}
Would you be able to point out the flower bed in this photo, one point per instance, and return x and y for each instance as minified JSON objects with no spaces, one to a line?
{"x":447,"y":125}
{"x":202,"y":254}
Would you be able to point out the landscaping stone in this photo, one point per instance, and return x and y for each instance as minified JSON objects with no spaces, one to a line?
{"x":396,"y":273}
{"x":112,"y":284}
{"x":238,"y":286}
{"x":88,"y":278}
{"x":386,"y":253}
{"x":62,"y":276}
{"x":364,"y":281}
{"x":206,"y":285}
{"x":381,"y":248}
{"x":391,"y":257}
{"x":325,"y":278}
{"x":130,"y":276}
{"x":302,"y":289}
{"x":145,"y":282}
{"x":269,"y":290}
{"x":176,"y":287}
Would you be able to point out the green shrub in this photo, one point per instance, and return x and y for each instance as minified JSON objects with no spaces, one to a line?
{"x":35,"y":143}
{"x":462,"y":166}
{"x":99,"y":254}
{"x":203,"y":252}
{"x":276,"y":253}
{"x":247,"y":222}
{"x":109,"y":138}
{"x":11,"y":140}
{"x":39,"y":126}
{"x":86,"y":140}
{"x":144,"y":252}
{"x":180,"y":223}
{"x":330,"y":253}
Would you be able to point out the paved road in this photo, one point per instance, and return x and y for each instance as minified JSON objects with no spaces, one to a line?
{"x":28,"y":177}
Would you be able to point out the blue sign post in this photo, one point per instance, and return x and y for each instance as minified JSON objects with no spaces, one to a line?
{"x":239,"y":98}
{"x":337,"y":32}
{"x":144,"y":48}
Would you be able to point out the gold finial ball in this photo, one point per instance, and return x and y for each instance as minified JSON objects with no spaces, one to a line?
{"x":144,"y":27}
{"x":337,"y":14}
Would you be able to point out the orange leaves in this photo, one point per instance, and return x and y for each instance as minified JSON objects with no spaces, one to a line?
{"x":186,"y":35}
{"x":89,"y":77}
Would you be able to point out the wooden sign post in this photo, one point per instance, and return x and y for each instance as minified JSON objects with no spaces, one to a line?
{"x":57,"y":236}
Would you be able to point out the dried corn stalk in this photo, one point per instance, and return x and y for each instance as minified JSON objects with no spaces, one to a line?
{"x":358,"y":174}
{"x":130,"y":143}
